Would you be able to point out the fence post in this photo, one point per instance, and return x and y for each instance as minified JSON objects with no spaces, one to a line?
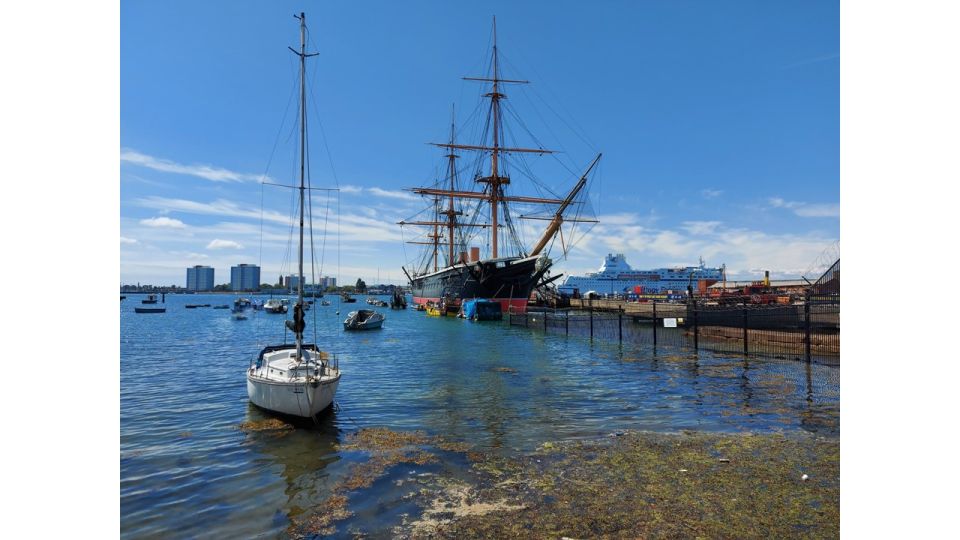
{"x":806,"y":319}
{"x":591,"y":319}
{"x":696,"y":328}
{"x":654,"y":324}
{"x":746,"y":348}
{"x":620,"y":325}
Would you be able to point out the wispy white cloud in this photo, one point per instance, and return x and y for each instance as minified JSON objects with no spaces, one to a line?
{"x":166,"y":222}
{"x":219,"y":207}
{"x":814,"y":60}
{"x":217,"y":243}
{"x":125,"y":240}
{"x":393,"y":194}
{"x":711,"y":193}
{"x":700,"y":227}
{"x":746,"y":252}
{"x":804,"y":209}
{"x":215,"y":174}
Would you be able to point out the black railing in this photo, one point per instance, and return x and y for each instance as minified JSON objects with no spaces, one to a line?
{"x":805,"y":330}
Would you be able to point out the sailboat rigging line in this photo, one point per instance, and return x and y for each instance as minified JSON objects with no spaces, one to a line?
{"x":542,"y":83}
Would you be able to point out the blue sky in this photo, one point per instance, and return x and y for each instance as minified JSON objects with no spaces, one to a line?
{"x":719,"y":125}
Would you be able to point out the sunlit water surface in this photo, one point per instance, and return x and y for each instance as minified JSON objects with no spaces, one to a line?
{"x":187,"y":471}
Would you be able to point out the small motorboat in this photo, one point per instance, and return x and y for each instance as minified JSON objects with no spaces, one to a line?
{"x":398,"y":301}
{"x":150,"y":299}
{"x":150,"y":309}
{"x":364,"y":319}
{"x":346,"y":298}
{"x":274,"y":305}
{"x":222,"y":306}
{"x":324,"y":303}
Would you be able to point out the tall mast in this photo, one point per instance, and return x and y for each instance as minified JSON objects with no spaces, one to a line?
{"x":303,"y":150}
{"x":298,"y":322}
{"x":451,"y":213}
{"x":436,"y":233}
{"x":494,"y":154}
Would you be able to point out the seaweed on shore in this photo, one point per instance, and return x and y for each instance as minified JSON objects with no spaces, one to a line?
{"x":650,"y":485}
{"x":631,"y":484}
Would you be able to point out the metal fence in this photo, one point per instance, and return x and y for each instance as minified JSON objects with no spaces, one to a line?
{"x":808,"y":330}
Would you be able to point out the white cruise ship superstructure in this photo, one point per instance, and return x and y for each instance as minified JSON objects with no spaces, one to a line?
{"x":616,"y":277}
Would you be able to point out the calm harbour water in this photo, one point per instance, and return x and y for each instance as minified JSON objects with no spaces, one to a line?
{"x":186,"y":470}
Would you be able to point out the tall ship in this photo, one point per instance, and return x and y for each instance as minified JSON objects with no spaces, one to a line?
{"x":464,"y":216}
{"x":615,"y":276}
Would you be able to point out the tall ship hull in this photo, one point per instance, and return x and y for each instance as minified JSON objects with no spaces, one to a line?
{"x":508,"y":281}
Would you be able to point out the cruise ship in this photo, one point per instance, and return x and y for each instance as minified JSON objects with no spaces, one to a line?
{"x":616,"y":277}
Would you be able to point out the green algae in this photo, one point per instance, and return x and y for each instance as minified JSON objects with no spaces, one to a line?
{"x":653,"y":485}
{"x":628,"y":485}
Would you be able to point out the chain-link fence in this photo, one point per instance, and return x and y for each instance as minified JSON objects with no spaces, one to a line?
{"x":807,"y":330}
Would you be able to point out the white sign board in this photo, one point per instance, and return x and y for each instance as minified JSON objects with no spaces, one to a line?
{"x":669,"y":323}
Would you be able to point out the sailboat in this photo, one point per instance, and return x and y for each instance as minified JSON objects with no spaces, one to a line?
{"x":506,"y":276}
{"x":296,"y":379}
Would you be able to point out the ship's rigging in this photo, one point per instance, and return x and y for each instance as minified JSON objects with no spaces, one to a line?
{"x":457,"y":218}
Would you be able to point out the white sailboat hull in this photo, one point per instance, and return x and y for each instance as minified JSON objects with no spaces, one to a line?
{"x":292,"y":398}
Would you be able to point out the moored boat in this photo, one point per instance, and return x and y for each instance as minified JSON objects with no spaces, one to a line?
{"x":274,"y":305}
{"x":150,"y":309}
{"x":296,"y":379}
{"x":508,"y":275}
{"x":363,"y":319}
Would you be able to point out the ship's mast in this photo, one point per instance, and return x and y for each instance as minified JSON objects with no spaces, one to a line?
{"x":494,"y":194}
{"x":452,"y":171}
{"x":494,"y":154}
{"x":298,"y":308}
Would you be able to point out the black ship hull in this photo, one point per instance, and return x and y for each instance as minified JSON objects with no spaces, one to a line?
{"x":508,"y":281}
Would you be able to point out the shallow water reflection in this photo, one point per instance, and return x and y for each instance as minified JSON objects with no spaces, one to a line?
{"x":187,"y":469}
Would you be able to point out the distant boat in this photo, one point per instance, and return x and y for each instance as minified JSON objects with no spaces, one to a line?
{"x":398,"y":301}
{"x":274,"y":305}
{"x":297,"y":379}
{"x":150,"y":299}
{"x":324,"y":303}
{"x":150,"y":309}
{"x":346,"y":298}
{"x":364,"y":319}
{"x":222,"y":306}
{"x":239,"y":316}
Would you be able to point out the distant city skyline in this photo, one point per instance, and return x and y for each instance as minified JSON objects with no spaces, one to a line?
{"x":719,"y":126}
